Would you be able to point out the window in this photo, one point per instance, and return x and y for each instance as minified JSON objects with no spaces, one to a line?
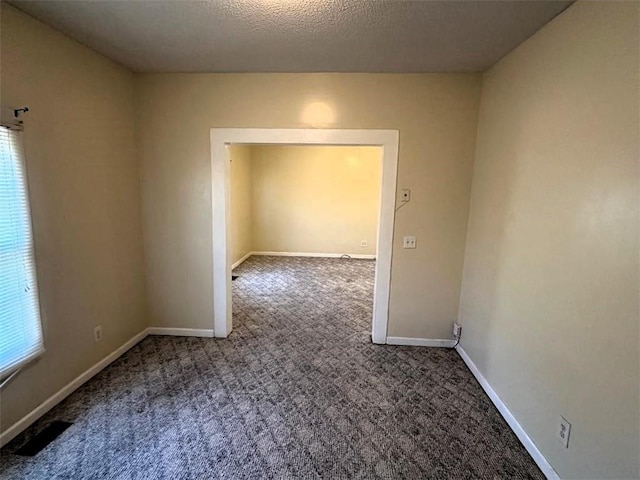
{"x":20,"y":327}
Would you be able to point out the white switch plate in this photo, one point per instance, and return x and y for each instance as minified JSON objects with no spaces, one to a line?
{"x":409,"y":242}
{"x":406,"y":194}
{"x":363,"y":243}
{"x":564,"y":430}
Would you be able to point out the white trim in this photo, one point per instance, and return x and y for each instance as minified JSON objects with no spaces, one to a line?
{"x":22,"y":424}
{"x":181,"y":332}
{"x":239,"y":262}
{"x":529,"y":445}
{"x":220,"y":198}
{"x":221,"y":234}
{"x":18,"y":427}
{"x":421,"y":342}
{"x":355,"y":256}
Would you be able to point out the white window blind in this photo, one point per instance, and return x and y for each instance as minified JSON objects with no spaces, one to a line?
{"x":20,"y":327}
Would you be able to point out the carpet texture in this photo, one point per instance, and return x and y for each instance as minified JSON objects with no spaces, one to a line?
{"x":296,"y":391}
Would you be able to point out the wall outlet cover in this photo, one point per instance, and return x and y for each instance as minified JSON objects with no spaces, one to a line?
{"x":457,"y":330}
{"x":97,"y":333}
{"x":409,"y":242}
{"x":564,"y":431}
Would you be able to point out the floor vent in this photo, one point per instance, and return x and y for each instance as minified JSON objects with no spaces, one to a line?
{"x":42,"y":439}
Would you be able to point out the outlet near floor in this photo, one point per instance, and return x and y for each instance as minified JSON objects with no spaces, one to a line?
{"x":457,"y":330}
{"x":97,"y":333}
{"x":564,"y":430}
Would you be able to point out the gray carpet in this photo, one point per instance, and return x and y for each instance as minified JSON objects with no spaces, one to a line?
{"x":296,"y":391}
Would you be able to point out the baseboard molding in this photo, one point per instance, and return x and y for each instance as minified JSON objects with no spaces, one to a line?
{"x":529,"y":445}
{"x":239,"y":262}
{"x":421,"y":342}
{"x":18,"y":427}
{"x":26,"y":421}
{"x":356,"y":256}
{"x":180,"y":332}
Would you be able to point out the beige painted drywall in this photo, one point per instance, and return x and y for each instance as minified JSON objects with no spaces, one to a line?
{"x":436,"y":115}
{"x":315,"y":199}
{"x":241,"y":203}
{"x":85,"y":201}
{"x":550,"y":295}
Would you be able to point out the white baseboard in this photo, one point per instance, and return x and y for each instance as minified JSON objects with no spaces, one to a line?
{"x":22,"y":424}
{"x":180,"y":332}
{"x":239,"y":262}
{"x":529,"y":445}
{"x":421,"y":342}
{"x":356,"y":256}
{"x":18,"y":427}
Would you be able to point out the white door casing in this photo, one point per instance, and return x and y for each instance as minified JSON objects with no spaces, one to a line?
{"x":221,"y":195}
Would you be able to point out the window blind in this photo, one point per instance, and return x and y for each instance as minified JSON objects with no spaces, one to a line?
{"x":20,"y":326}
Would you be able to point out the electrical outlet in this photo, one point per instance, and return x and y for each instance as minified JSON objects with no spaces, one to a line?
{"x":457,"y":330}
{"x":409,"y":242}
{"x":97,"y":333}
{"x":564,"y":430}
{"x":405,"y":194}
{"x":363,"y":243}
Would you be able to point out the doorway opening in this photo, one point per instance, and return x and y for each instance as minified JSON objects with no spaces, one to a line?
{"x":224,"y":252}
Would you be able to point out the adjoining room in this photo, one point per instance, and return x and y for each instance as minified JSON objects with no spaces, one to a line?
{"x":304,"y":226}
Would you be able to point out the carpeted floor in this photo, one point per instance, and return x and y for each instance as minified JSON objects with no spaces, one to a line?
{"x":296,"y":391}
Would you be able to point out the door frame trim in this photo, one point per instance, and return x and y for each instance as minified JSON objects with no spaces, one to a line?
{"x":221,"y":199}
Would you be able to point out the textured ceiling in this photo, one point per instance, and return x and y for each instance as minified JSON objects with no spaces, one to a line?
{"x":298,"y":35}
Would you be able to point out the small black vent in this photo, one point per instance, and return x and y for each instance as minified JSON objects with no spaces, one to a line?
{"x":42,"y":439}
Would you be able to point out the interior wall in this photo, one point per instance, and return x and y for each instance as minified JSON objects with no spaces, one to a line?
{"x":85,"y":202}
{"x":436,"y":115}
{"x":240,"y":222}
{"x":550,"y":301}
{"x":315,"y":199}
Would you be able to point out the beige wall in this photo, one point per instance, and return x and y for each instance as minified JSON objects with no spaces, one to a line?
{"x":85,"y":202}
{"x":315,"y":199}
{"x":550,"y":296}
{"x":241,"y":203}
{"x":436,"y":115}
